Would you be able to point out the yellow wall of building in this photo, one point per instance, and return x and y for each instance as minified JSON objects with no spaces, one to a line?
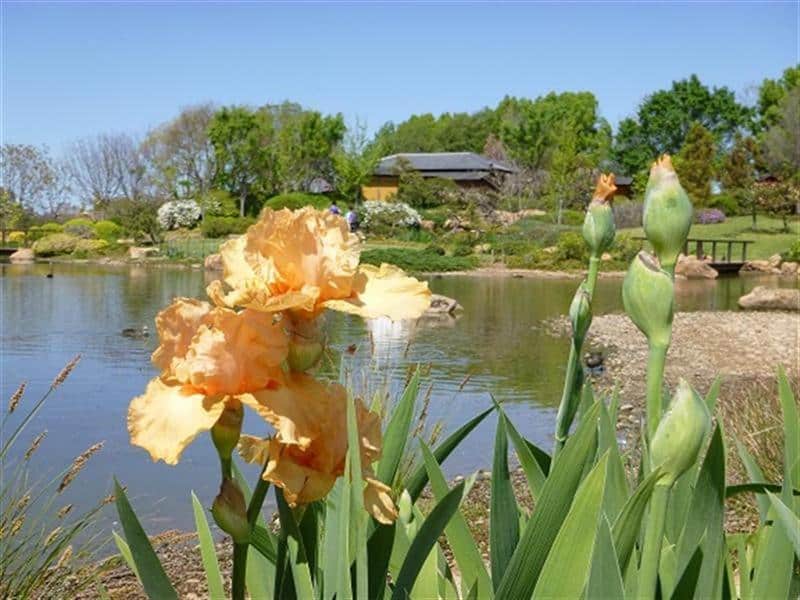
{"x":380,"y":188}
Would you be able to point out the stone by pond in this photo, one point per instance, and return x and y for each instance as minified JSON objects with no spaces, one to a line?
{"x":500,"y":345}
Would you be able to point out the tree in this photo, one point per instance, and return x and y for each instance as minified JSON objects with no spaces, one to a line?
{"x":27,"y":173}
{"x":779,"y":199}
{"x":665,"y":117}
{"x":772,"y":92}
{"x":11,"y":212}
{"x":241,"y":139}
{"x":695,"y":164}
{"x":738,"y":172}
{"x":107,"y":167}
{"x":570,"y":176}
{"x":182,"y":155}
{"x":781,"y":142}
{"x":139,"y":217}
{"x":355,"y":162}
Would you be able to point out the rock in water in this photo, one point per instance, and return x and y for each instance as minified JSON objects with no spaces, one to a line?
{"x":764,"y":298}
{"x":692,"y":267}
{"x":140,"y":252}
{"x":23,"y":255}
{"x":442,"y":305}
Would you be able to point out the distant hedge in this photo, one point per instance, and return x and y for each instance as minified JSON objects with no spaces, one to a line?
{"x":295,"y":200}
{"x":418,"y":261}
{"x":217,"y":227}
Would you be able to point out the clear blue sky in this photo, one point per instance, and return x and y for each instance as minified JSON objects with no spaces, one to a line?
{"x":73,"y":69}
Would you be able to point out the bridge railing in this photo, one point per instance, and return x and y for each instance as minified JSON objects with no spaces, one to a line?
{"x":727,"y":248}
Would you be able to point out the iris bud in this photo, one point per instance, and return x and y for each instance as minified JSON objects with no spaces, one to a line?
{"x":230,"y":511}
{"x":648,"y":298}
{"x":598,"y":225}
{"x":225,"y":432}
{"x":680,"y":434}
{"x":306,"y":343}
{"x":667,"y":213}
{"x":580,"y":314}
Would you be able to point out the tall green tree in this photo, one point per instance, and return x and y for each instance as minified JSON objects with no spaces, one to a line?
{"x":772,"y":92}
{"x":738,"y":173}
{"x":354,"y":162}
{"x":781,"y":141}
{"x":664,"y":119}
{"x":695,"y":164}
{"x":569,"y":169}
{"x":245,"y":162}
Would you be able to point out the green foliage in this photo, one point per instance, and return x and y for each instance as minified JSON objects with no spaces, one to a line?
{"x":625,"y":248}
{"x":772,"y":92}
{"x":218,"y":227}
{"x":450,"y":132}
{"x":728,"y":203}
{"x":11,"y":211}
{"x":55,"y":244}
{"x":296,"y":200}
{"x":781,"y":142}
{"x":80,"y":227}
{"x":420,"y":192}
{"x":695,"y":164}
{"x":571,"y":247}
{"x":138,"y":217}
{"x":107,"y":230}
{"x":793,"y":253}
{"x":85,"y":248}
{"x":417,"y":260}
{"x":218,"y":203}
{"x":39,"y":231}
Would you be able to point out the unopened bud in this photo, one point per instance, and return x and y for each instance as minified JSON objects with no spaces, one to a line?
{"x":306,"y":343}
{"x":580,"y":313}
{"x":225,"y":432}
{"x":230,"y":511}
{"x":667,"y":213}
{"x":680,"y":434}
{"x":647,"y":294}
{"x":598,"y":225}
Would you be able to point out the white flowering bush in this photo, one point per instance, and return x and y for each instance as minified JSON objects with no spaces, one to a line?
{"x":179,"y":213}
{"x":379,"y":217}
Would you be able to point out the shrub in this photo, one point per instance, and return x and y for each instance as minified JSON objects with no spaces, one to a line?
{"x":55,"y":244}
{"x":138,"y":217}
{"x":179,"y":213}
{"x":419,"y":192}
{"x":295,"y":200}
{"x":625,"y":248}
{"x":793,"y":253}
{"x":82,"y":228}
{"x":39,"y":231}
{"x":727,"y":203}
{"x":217,"y":227}
{"x":218,"y":203}
{"x":16,"y":237}
{"x":383,"y":218}
{"x":571,"y":247}
{"x":84,"y":248}
{"x":108,"y":231}
{"x":709,"y":216}
{"x":417,"y":260}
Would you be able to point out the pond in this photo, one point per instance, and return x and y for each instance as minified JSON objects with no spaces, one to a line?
{"x":498,"y":346}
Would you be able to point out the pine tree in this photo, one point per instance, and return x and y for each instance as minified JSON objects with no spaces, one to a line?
{"x":695,"y":164}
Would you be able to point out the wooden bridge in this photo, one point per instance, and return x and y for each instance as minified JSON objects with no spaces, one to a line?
{"x":728,"y":259}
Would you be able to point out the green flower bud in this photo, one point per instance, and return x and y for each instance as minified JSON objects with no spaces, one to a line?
{"x":680,"y":434}
{"x":667,"y":213}
{"x":306,"y":343}
{"x":598,"y":226}
{"x":580,"y":313}
{"x":230,"y":511}
{"x":225,"y":432}
{"x":647,"y":294}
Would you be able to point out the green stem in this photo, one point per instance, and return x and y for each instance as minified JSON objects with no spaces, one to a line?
{"x":651,"y":551}
{"x":591,"y":278}
{"x":225,"y":465}
{"x":239,"y":571}
{"x":568,"y":405}
{"x":655,"y":386}
{"x":257,"y":500}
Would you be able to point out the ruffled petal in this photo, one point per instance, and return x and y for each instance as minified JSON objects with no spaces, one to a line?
{"x":254,"y":450}
{"x":384,"y":292}
{"x":301,"y":483}
{"x":167,"y":418}
{"x":176,"y":325}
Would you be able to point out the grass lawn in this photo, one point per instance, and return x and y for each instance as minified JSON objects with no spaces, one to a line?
{"x":768,"y":238}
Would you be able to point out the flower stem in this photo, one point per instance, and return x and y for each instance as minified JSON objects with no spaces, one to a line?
{"x":651,"y":552}
{"x":655,"y":385}
{"x":239,"y":571}
{"x":591,"y":279}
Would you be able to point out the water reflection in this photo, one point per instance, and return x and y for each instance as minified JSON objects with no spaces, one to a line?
{"x":497,"y":344}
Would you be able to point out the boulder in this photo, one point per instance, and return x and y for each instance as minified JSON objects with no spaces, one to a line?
{"x":774,"y":261}
{"x":23,"y":255}
{"x":213,"y":262}
{"x":765,"y":298}
{"x":482,"y":248}
{"x":789,"y":269}
{"x":606,"y":256}
{"x":442,"y":305}
{"x":141,"y":252}
{"x":692,"y":267}
{"x":760,"y":266}
{"x":427,"y":225}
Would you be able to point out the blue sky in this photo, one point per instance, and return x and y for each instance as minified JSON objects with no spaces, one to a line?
{"x":76,"y":69}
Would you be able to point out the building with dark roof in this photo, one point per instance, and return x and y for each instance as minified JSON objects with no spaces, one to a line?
{"x":467,"y":169}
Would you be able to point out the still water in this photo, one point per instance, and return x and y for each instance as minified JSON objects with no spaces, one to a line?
{"x":497,"y":347}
